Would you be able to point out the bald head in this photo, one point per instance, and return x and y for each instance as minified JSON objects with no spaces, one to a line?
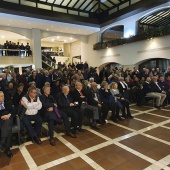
{"x":94,"y":86}
{"x":65,"y":90}
{"x":78,"y":86}
{"x":1,"y":96}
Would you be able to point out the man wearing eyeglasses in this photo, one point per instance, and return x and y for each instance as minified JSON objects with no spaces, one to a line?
{"x":32,"y":104}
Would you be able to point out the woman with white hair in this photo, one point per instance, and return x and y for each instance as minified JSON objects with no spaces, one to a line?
{"x":115,"y":92}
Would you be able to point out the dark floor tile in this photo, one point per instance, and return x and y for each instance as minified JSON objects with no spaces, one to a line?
{"x":141,"y":108}
{"x":63,"y":166}
{"x":161,"y":112}
{"x":40,"y":160}
{"x":78,"y":163}
{"x":113,"y":131}
{"x":133,"y":164}
{"x":167,"y":125}
{"x":150,"y":118}
{"x":22,"y":166}
{"x":134,"y":124}
{"x":149,"y":147}
{"x":160,"y":133}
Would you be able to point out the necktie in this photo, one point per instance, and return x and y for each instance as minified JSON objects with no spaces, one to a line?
{"x":57,"y":112}
{"x":81,"y":94}
{"x":68,"y":101}
{"x":2,"y":107}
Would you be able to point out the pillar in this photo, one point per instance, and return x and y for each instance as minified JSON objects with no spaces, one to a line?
{"x":36,"y":47}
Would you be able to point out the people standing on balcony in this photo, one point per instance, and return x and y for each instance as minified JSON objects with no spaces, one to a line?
{"x":22,"y":50}
{"x":28,"y":50}
{"x":18,"y":47}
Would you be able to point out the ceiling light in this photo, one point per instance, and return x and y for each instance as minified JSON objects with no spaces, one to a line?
{"x":53,"y":39}
{"x":66,"y":28}
{"x":24,"y":37}
{"x":71,"y":38}
{"x":58,"y":37}
{"x":52,"y":26}
{"x":47,"y":29}
{"x":65,"y":40}
{"x":3,"y":36}
{"x":29,"y":23}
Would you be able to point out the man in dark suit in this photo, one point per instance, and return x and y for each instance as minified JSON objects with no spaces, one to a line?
{"x":6,"y":113}
{"x":94,"y":99}
{"x":65,"y":103}
{"x":152,"y":89}
{"x":80,"y":98}
{"x":48,"y":106}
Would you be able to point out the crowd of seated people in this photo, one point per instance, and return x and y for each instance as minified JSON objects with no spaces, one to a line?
{"x":54,"y":96}
{"x":15,"y":49}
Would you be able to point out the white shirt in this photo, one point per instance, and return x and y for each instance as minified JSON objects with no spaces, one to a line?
{"x":32,"y":107}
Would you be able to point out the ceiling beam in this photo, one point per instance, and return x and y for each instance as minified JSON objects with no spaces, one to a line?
{"x":22,"y":10}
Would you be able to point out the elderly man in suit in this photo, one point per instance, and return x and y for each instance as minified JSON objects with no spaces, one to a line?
{"x":6,"y":113}
{"x":66,"y":104}
{"x":152,"y":89}
{"x":80,"y":98}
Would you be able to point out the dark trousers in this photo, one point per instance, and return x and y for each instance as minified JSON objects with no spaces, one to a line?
{"x":76,"y":116}
{"x":36,"y":130}
{"x":53,"y":120}
{"x":6,"y":133}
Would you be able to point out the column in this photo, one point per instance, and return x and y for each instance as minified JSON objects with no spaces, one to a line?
{"x":129,"y":28}
{"x":36,"y":47}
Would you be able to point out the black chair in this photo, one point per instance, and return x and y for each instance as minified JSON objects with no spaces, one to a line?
{"x":16,"y":128}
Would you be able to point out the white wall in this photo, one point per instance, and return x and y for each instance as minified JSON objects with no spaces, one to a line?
{"x":75,"y":49}
{"x":128,"y":55}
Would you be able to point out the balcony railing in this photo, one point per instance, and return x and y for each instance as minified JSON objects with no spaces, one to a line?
{"x":15,"y":52}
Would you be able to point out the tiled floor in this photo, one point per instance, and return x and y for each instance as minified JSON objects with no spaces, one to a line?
{"x":132,"y":144}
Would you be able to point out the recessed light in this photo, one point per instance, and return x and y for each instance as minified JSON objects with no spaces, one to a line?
{"x":58,"y":37}
{"x":61,"y":31}
{"x":65,"y":40}
{"x":3,"y":36}
{"x":52,"y":40}
{"x":47,"y":29}
{"x":52,"y":26}
{"x":29,"y":23}
{"x":71,"y":38}
{"x":24,"y":37}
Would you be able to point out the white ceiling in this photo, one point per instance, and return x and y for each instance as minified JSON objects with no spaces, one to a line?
{"x":10,"y":36}
{"x":59,"y":39}
{"x":29,"y":23}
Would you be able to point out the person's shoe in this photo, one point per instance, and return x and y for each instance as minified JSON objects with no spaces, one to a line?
{"x":158,"y":107}
{"x":124,"y":116}
{"x":119,"y":118}
{"x":94,"y":126}
{"x":52,"y":141}
{"x":80,"y":129}
{"x":114,"y":119}
{"x":71,"y":135}
{"x":9,"y":153}
{"x":130,"y":116}
{"x":37,"y":140}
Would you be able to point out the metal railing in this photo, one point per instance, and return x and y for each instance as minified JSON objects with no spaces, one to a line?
{"x":48,"y":61}
{"x":15,"y":52}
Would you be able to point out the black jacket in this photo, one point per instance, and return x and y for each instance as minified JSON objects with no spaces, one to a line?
{"x":62,"y":101}
{"x":155,"y":88}
{"x":8,"y":109}
{"x":147,"y":88}
{"x":91,"y":97}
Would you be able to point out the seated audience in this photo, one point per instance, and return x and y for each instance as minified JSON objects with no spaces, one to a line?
{"x":32,"y":104}
{"x":153,"y":90}
{"x":66,"y":104}
{"x":95,"y":99}
{"x":80,"y":98}
{"x":115,"y":92}
{"x":6,"y":121}
{"x":18,"y":95}
{"x":50,"y":115}
{"x":110,"y":102}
